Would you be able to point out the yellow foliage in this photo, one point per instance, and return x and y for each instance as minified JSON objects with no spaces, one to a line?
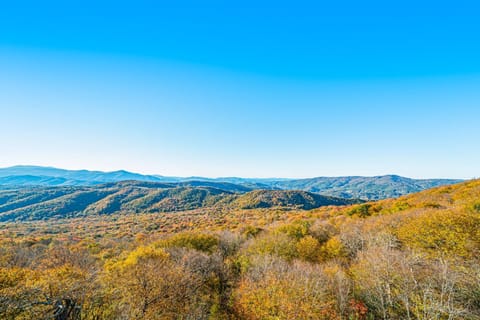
{"x":143,"y":253}
{"x":198,"y":241}
{"x":148,"y":285}
{"x":276,"y":244}
{"x":333,"y":248}
{"x":308,"y":249}
{"x":277,"y":294}
{"x":297,"y":229}
{"x":442,"y":232}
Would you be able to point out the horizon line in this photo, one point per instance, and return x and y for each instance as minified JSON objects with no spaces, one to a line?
{"x":233,"y":176}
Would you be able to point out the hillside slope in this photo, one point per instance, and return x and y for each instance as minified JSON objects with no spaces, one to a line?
{"x":367,"y":188}
{"x":461,"y":197}
{"x":422,"y":251}
{"x":132,"y":197}
{"x":276,"y":198}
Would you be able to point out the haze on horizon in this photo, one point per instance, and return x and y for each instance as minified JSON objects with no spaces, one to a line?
{"x":252,"y":91}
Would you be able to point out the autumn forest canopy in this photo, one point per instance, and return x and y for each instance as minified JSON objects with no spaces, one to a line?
{"x":143,"y":250}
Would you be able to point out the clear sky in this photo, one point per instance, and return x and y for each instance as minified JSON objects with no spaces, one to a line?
{"x":258,"y":89}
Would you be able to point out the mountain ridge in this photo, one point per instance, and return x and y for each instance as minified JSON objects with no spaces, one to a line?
{"x":132,"y":197}
{"x":350,"y":187}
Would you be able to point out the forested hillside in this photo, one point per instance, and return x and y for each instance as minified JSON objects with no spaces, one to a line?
{"x":350,"y":187}
{"x":367,"y":188}
{"x":415,"y":257}
{"x":133,"y":197}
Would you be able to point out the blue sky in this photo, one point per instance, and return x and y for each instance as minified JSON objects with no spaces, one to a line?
{"x":261,"y":89}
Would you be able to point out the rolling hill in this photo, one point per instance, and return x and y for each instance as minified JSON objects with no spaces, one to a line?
{"x":287,"y":198}
{"x":367,"y":188}
{"x":48,"y":176}
{"x":132,"y":197}
{"x":354,"y":187}
{"x":258,"y":243}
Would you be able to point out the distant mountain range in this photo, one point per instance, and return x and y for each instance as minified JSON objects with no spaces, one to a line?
{"x":48,"y":176}
{"x":131,"y":197}
{"x":354,"y":187}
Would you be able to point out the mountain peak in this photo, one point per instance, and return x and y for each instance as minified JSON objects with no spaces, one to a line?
{"x":367,"y":188}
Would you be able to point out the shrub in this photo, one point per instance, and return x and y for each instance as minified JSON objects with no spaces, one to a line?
{"x":297,"y":229}
{"x":198,"y":241}
{"x":276,"y":244}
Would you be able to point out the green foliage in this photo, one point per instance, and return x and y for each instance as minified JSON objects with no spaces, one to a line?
{"x":476,"y":207}
{"x":362,"y":210}
{"x":296,"y":230}
{"x":276,"y":244}
{"x":250,"y":231}
{"x":198,"y":241}
{"x":142,"y":197}
{"x":284,"y":198}
{"x":400,"y":206}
